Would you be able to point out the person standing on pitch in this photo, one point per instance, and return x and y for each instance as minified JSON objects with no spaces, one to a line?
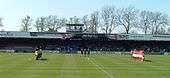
{"x":81,"y":50}
{"x":88,"y":52}
{"x":85,"y":51}
{"x":38,"y":53}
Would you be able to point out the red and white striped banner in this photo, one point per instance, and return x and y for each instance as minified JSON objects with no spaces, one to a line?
{"x":138,"y":55}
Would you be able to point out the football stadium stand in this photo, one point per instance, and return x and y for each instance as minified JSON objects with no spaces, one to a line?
{"x":72,"y":42}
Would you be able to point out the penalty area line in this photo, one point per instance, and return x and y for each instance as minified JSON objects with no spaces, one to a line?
{"x":100,"y":68}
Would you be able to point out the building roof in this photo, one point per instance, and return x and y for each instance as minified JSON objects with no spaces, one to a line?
{"x":55,"y":35}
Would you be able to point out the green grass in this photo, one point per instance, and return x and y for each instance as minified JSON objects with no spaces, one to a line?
{"x":21,"y":65}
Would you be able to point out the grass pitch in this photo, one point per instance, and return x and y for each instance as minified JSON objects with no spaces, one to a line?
{"x":21,"y":65}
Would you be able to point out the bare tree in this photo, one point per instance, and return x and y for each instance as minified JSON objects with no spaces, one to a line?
{"x":145,"y":21}
{"x":168,"y":30}
{"x":109,"y":19}
{"x":63,"y":22}
{"x":85,"y":20}
{"x":74,"y":20}
{"x":26,"y":24}
{"x":159,"y":23}
{"x":37,"y":25}
{"x":40,"y":24}
{"x":1,"y":24}
{"x":49,"y":23}
{"x":53,"y":23}
{"x":127,"y":17}
{"x":94,"y":22}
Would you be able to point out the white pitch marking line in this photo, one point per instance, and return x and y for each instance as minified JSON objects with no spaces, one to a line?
{"x":110,"y":76}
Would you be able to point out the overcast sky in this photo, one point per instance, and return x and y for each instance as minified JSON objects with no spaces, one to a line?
{"x":13,"y":10}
